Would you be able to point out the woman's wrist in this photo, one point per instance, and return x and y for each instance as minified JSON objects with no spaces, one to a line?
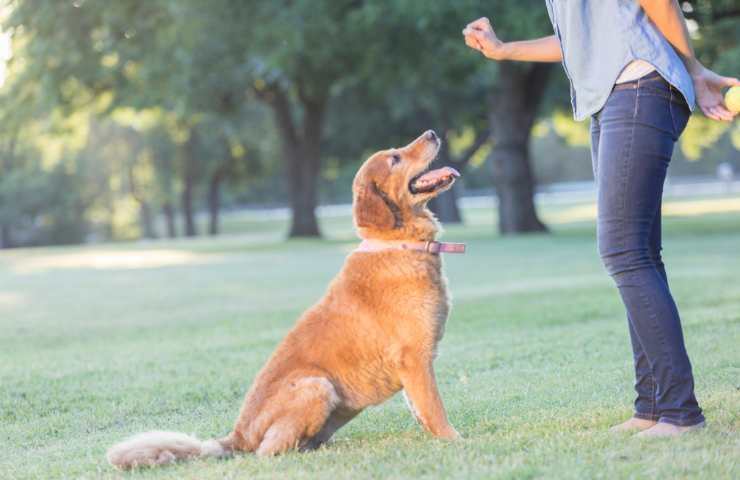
{"x":694,"y":67}
{"x":497,"y":50}
{"x":503,"y":52}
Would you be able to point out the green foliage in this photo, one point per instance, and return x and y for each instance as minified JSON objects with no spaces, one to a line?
{"x":43,"y":205}
{"x":718,"y":36}
{"x":158,"y":69}
{"x":110,"y":92}
{"x":700,"y":134}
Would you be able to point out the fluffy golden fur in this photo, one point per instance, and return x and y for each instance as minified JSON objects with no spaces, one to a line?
{"x":374,"y":332}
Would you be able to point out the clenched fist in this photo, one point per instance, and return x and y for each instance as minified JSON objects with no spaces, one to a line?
{"x":479,"y":35}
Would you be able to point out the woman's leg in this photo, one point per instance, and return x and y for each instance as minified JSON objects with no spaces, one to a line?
{"x":645,"y":386}
{"x":645,"y":414}
{"x":638,"y":128}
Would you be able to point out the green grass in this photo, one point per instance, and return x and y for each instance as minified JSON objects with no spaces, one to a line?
{"x":97,"y":343}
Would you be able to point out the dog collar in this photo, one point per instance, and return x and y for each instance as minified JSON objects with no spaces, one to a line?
{"x":430,"y":247}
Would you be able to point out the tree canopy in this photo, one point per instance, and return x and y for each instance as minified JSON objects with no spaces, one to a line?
{"x":118,"y":118}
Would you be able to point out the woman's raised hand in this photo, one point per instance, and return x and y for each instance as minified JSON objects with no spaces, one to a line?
{"x":479,"y":35}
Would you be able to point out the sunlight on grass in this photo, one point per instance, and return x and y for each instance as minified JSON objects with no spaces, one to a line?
{"x":528,"y":285}
{"x":107,"y":260}
{"x":9,"y":300}
{"x":702,"y":207}
{"x":580,"y":213}
{"x":683,"y":208}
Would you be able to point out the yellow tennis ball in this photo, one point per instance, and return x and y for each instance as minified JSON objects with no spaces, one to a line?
{"x":732,"y":99}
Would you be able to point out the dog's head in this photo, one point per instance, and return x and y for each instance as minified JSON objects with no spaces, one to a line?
{"x":392,"y":188}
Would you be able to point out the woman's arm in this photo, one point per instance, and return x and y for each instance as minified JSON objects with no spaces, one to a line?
{"x":667,"y":16}
{"x":479,"y":35}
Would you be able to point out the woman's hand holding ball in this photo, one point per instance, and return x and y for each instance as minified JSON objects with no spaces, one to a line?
{"x":708,"y":86}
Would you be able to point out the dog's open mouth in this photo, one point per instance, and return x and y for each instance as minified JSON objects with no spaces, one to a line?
{"x":432,"y":180}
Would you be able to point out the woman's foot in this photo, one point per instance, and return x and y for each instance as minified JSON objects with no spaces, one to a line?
{"x":633,"y":424}
{"x":662,"y":429}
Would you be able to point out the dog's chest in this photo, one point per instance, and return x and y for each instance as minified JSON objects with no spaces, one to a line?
{"x":411,"y":297}
{"x":402,"y":304}
{"x":422,"y":300}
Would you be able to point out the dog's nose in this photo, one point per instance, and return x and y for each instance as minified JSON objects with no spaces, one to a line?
{"x":431,"y":135}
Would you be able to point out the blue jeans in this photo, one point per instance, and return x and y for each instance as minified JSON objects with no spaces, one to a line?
{"x":632,"y":140}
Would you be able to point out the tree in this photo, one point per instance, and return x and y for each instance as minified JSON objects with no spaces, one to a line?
{"x":7,"y":161}
{"x":163,"y":153}
{"x":446,"y":90}
{"x":166,"y":55}
{"x":423,"y":76}
{"x":445,"y":206}
{"x":515,"y":102}
{"x":334,"y":78}
{"x":296,"y":70}
{"x":514,"y":106}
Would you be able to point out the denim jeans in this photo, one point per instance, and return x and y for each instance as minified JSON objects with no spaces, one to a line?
{"x":632,"y":140}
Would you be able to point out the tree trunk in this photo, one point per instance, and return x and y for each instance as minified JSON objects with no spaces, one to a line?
{"x":513,"y":110}
{"x":169,"y":219}
{"x":7,"y":155}
{"x":304,"y":172}
{"x":147,"y":220}
{"x":109,"y":228}
{"x":303,"y":221}
{"x":188,"y":188}
{"x":214,"y":204}
{"x":302,"y":157}
{"x":5,"y":238}
{"x":445,"y":206}
{"x":214,"y":188}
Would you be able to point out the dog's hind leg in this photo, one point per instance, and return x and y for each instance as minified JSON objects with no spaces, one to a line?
{"x":336,"y":420}
{"x":303,"y":408}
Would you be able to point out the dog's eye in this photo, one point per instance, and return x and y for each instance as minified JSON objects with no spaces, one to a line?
{"x":395,"y":159}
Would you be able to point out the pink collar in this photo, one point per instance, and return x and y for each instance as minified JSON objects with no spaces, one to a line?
{"x":369,"y":245}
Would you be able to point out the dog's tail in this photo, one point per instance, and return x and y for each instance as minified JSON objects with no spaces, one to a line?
{"x":157,"y":448}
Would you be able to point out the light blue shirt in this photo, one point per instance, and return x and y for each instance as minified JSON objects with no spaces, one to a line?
{"x":599,"y":38}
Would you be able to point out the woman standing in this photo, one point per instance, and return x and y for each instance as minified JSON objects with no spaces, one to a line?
{"x":633,"y":71}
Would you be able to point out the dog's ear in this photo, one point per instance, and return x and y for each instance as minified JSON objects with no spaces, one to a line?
{"x":373,"y":208}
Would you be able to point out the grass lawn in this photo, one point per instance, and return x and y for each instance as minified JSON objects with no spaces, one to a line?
{"x":97,"y":343}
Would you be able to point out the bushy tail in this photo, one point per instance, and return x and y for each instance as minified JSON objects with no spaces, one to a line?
{"x":158,"y":448}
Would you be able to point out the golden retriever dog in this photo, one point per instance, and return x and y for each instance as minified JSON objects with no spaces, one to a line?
{"x":374,"y":333}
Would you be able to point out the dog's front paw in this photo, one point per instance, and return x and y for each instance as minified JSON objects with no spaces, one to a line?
{"x":449,"y":434}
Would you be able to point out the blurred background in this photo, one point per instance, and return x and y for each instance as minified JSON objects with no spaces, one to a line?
{"x":130,"y":119}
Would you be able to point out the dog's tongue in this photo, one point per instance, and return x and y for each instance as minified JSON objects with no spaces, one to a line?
{"x":433,"y":176}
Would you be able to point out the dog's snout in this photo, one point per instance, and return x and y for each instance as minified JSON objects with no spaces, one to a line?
{"x":432,"y":135}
